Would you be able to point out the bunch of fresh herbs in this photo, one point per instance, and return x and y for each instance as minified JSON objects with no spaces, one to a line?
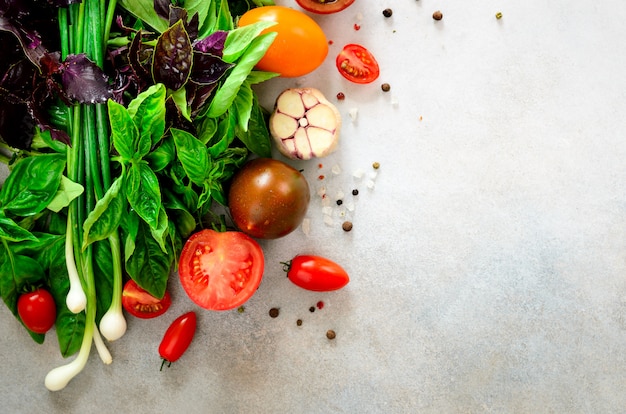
{"x":121,"y":123}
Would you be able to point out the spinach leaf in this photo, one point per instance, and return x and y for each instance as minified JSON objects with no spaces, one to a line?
{"x":11,"y":231}
{"x":32,"y":184}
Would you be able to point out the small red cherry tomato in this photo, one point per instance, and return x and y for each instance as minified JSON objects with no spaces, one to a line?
{"x":141,"y":304}
{"x":177,"y":338}
{"x":316,"y":273}
{"x":357,"y":64}
{"x":324,"y":6}
{"x":37,"y":310}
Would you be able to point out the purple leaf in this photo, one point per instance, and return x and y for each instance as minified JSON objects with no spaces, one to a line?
{"x":84,"y":81}
{"x":208,"y":68}
{"x":173,"y":57}
{"x":214,"y":43}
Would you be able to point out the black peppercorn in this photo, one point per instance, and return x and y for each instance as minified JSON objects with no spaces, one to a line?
{"x":355,"y":192}
{"x":387,"y":12}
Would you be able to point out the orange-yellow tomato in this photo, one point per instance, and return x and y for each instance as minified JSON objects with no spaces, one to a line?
{"x":300,"y":45}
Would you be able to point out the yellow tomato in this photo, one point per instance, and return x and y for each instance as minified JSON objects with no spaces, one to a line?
{"x":300,"y":45}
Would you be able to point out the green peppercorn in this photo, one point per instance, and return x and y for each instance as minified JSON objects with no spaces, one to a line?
{"x":498,"y":15}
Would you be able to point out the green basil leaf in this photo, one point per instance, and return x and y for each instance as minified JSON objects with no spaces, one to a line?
{"x":11,"y":231}
{"x":70,"y":328}
{"x":144,"y":10}
{"x":32,"y":184}
{"x":160,"y":233}
{"x":162,"y":156}
{"x":239,"y":39}
{"x":148,"y":266}
{"x":201,"y":7}
{"x":143,"y":192}
{"x":124,"y":132}
{"x":179,"y":98}
{"x":148,"y":113}
{"x":192,"y":154}
{"x":183,"y":220}
{"x":68,"y":191}
{"x":224,"y":19}
{"x":106,"y":216}
{"x":130,"y":227}
{"x":243,"y":104}
{"x":257,"y":137}
{"x":259,"y":76}
{"x":227,"y":92}
{"x":225,"y":133}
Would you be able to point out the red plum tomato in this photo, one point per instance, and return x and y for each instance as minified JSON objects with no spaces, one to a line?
{"x":324,"y":6}
{"x":300,"y":45}
{"x":142,"y":304}
{"x":316,"y":273}
{"x":357,"y":64}
{"x":37,"y":310}
{"x":268,"y":199}
{"x":178,"y":337}
{"x":220,"y":270}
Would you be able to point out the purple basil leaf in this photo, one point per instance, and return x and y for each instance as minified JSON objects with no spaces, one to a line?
{"x":30,"y":41}
{"x":199,"y":95}
{"x":84,"y":81}
{"x":162,"y":8}
{"x":214,"y":43}
{"x":176,"y":14}
{"x":173,"y":57}
{"x":208,"y":68}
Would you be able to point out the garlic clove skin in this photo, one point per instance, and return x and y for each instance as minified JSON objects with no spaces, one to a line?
{"x":304,"y":124}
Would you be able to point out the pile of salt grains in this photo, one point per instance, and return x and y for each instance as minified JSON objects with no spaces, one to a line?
{"x":339,"y":203}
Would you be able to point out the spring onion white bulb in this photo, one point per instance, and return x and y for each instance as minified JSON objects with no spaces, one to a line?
{"x":76,"y":300}
{"x":113,"y":324}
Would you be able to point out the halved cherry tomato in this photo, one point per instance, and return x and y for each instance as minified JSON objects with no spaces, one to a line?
{"x":357,"y":64}
{"x":316,"y":273}
{"x":220,"y":270}
{"x":300,"y":45}
{"x":141,"y":304}
{"x":37,"y":310}
{"x":324,"y":6}
{"x":177,"y":338}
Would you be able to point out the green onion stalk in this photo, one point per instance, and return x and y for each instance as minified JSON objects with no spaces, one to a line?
{"x":84,"y":28}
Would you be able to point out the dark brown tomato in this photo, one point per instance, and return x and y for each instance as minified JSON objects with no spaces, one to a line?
{"x":268,"y":199}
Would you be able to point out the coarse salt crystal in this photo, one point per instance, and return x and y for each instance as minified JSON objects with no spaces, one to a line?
{"x":327,"y":211}
{"x":373,"y":175}
{"x":370,"y":184}
{"x":328,"y":220}
{"x":306,"y":226}
{"x":321,"y":191}
{"x":358,"y":173}
{"x":339,"y":195}
{"x":349,"y":206}
{"x":353,"y":112}
{"x":394,"y":101}
{"x":336,"y":169}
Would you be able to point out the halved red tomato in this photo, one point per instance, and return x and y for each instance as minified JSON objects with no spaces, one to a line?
{"x":141,"y":304}
{"x":324,"y":6}
{"x":357,"y":64}
{"x":220,"y":270}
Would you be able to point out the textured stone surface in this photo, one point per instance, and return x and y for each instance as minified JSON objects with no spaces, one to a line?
{"x":487,"y":261}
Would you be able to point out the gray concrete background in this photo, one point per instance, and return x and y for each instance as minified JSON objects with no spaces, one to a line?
{"x":487,"y":261}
